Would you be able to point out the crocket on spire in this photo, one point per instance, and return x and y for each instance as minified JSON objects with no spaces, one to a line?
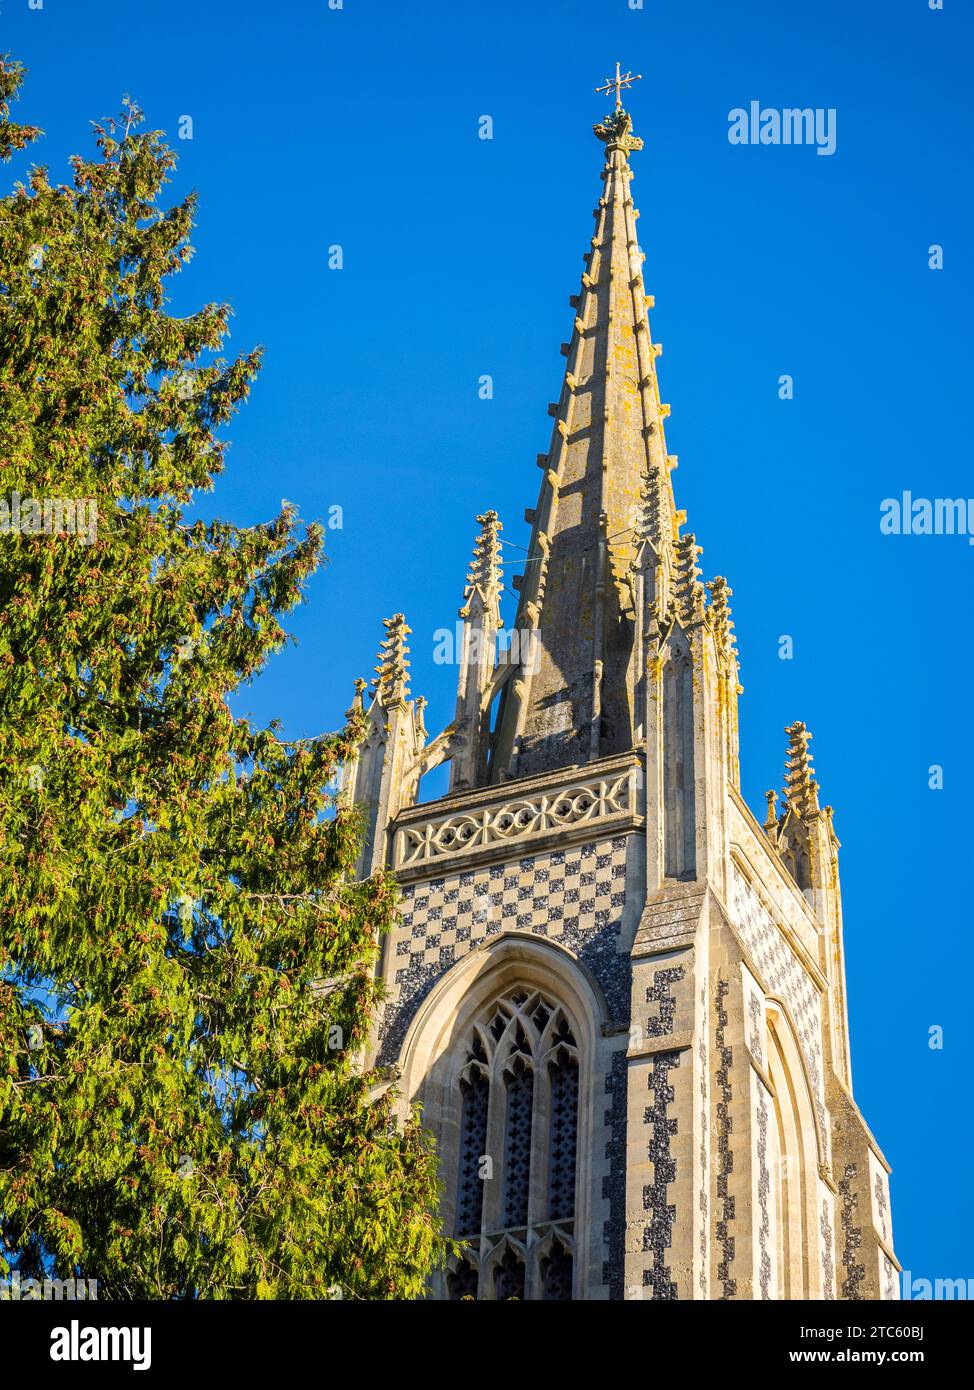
{"x":605,"y":495}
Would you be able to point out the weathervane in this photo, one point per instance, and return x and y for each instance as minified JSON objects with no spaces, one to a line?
{"x":620,"y":82}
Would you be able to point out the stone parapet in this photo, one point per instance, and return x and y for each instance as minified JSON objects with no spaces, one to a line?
{"x":564,"y":808}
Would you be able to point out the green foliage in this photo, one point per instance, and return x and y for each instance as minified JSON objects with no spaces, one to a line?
{"x":12,"y":136}
{"x":181,"y":1114}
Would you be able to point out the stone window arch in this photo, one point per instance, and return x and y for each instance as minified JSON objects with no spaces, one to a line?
{"x":446,"y":1053}
{"x":557,"y":1271}
{"x":563,"y":1123}
{"x":508,"y":1273}
{"x":463,"y":1279}
{"x":516,"y":1178}
{"x":475,"y":1094}
{"x":795,"y":1150}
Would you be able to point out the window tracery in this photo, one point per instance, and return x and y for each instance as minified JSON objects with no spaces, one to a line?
{"x":475,"y":1090}
{"x":509,"y":1276}
{"x":518,"y":1150}
{"x":517,"y":1141}
{"x":563,"y":1080}
{"x":556,"y":1274}
{"x":462,"y":1280}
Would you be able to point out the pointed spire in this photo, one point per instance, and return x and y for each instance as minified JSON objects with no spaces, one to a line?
{"x":607,"y":447}
{"x":391,"y":685}
{"x":720,"y":591}
{"x":687,"y":589}
{"x":481,"y":614}
{"x":801,"y":789}
{"x":358,"y":700}
{"x":486,"y":567}
{"x":419,"y":719}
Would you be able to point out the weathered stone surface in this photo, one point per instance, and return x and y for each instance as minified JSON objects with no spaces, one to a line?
{"x":604,"y":965}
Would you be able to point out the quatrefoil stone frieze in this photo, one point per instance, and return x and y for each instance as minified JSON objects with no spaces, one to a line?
{"x":521,"y":819}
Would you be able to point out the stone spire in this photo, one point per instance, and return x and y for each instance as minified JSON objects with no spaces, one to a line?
{"x":720,"y":592}
{"x":688,"y":591}
{"x":801,"y":790}
{"x":714,"y":949}
{"x":726,"y":647}
{"x":481,"y":614}
{"x":391,"y":683}
{"x":384,"y":774}
{"x":605,"y":494}
{"x":484,"y":580}
{"x":357,"y":706}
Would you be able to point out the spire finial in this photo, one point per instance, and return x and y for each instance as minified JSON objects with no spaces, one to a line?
{"x":419,"y":715}
{"x":358,"y":704}
{"x":484,"y":578}
{"x":801,"y":789}
{"x":720,"y":592}
{"x":391,"y":685}
{"x":688,"y":591}
{"x":616,"y":129}
{"x":485,"y":567}
{"x":620,"y":82}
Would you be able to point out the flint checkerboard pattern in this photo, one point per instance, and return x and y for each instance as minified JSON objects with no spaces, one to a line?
{"x":549,"y":894}
{"x":574,"y":896}
{"x":784,"y":974}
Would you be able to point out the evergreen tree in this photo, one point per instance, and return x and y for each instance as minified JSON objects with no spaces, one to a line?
{"x":186,"y":964}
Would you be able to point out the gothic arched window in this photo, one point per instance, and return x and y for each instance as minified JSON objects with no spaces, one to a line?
{"x":519,"y":1082}
{"x":563,"y":1081}
{"x":475,"y":1091}
{"x":516,"y":1174}
{"x":509,"y":1276}
{"x":556,"y":1274}
{"x":462,"y":1280}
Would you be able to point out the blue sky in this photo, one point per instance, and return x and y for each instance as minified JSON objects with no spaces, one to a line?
{"x":359,"y":127}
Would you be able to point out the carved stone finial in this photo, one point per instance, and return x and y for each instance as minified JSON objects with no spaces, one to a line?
{"x":616,"y":131}
{"x":801,"y":789}
{"x":651,"y":523}
{"x":486,"y":565}
{"x":485,"y":576}
{"x":771,"y":820}
{"x":391,"y":685}
{"x":720,"y":591}
{"x":419,"y":716}
{"x":358,"y":703}
{"x":688,"y":591}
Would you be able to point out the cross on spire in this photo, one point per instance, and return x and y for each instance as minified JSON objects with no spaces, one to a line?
{"x":619,"y":83}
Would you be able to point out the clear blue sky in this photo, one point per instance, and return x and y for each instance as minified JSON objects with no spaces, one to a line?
{"x":359,"y":127}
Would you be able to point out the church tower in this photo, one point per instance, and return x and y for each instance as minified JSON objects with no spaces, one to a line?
{"x":618,"y":997}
